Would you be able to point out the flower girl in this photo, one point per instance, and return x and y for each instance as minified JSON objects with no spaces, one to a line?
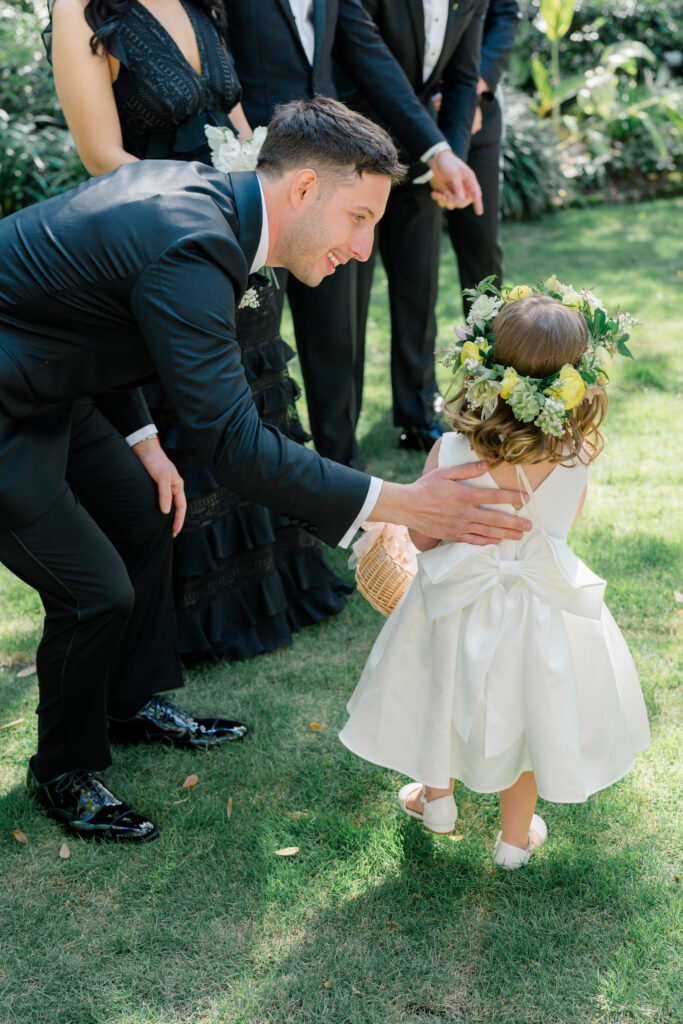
{"x":501,"y":665}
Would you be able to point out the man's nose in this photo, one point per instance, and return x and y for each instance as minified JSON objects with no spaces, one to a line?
{"x":361,"y":247}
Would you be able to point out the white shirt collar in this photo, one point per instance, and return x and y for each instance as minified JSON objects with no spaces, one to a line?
{"x":303,"y":16}
{"x":262,"y":251}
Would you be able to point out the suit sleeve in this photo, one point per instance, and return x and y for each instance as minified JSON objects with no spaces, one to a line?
{"x":459,"y":100}
{"x":368,"y":62}
{"x":500,"y":29}
{"x":126,"y":410}
{"x":184,"y":304}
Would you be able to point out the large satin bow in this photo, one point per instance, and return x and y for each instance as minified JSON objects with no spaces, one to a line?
{"x":507,"y":635}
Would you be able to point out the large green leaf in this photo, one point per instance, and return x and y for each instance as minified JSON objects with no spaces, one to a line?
{"x":558,"y":16}
{"x":624,"y":55}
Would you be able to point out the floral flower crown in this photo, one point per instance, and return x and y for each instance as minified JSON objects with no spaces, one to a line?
{"x":543,"y":400}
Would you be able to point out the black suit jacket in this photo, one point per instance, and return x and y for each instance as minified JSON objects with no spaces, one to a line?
{"x":500,"y":30}
{"x":401,"y":26}
{"x":136,"y":271}
{"x":273,"y":68}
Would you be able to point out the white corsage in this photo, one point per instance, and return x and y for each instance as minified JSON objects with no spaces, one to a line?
{"x":229,"y":154}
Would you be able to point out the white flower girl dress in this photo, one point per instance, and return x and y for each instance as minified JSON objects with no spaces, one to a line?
{"x":503,"y":659}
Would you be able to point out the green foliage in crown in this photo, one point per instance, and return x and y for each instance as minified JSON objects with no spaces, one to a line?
{"x":545,"y":401}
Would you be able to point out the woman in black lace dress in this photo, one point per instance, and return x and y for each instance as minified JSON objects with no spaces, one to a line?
{"x":140,"y":80}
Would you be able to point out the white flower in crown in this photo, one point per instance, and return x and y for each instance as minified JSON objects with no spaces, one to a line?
{"x":592,"y":300}
{"x":229,"y":154}
{"x":483,"y":310}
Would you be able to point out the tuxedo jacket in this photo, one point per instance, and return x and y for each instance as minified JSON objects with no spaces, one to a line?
{"x":500,"y":30}
{"x":134,"y":272}
{"x":273,"y":68}
{"x":401,"y":25}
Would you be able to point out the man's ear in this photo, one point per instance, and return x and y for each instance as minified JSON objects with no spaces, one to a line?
{"x":304,"y":189}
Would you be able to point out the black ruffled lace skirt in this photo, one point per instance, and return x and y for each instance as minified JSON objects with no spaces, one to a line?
{"x":245,"y":577}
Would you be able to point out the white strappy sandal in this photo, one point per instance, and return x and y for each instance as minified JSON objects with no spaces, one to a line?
{"x":512,"y":857}
{"x":438,"y":816}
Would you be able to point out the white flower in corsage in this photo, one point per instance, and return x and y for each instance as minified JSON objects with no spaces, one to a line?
{"x":546,"y":402}
{"x":229,"y":154}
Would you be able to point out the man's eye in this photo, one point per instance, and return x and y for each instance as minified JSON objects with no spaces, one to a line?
{"x":359,"y":216}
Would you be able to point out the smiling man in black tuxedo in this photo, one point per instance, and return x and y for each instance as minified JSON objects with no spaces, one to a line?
{"x":136,"y":271}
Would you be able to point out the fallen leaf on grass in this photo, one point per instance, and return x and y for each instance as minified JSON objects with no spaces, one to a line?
{"x":678,"y":596}
{"x":28,"y":671}
{"x":456,"y":839}
{"x":297,"y":814}
{"x":288,"y":851}
{"x":229,"y":807}
{"x":316,"y":725}
{"x":327,"y":984}
{"x":20,"y":836}
{"x":64,"y":851}
{"x":190,"y":781}
{"x":17,"y":721}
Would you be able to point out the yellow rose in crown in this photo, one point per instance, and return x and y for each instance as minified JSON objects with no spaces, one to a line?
{"x":553,"y":285}
{"x":571,"y":299}
{"x":520,"y":291}
{"x":603,"y":360}
{"x":470,"y":350}
{"x":570,"y":388}
{"x":510,"y":380}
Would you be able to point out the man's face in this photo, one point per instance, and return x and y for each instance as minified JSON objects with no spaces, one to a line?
{"x":336,"y":227}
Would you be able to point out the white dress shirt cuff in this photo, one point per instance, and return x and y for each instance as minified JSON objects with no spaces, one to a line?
{"x":439,"y":147}
{"x":143,"y":434}
{"x":368,"y":505}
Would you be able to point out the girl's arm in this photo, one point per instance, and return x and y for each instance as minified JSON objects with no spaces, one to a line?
{"x":83,"y":81}
{"x":240,"y":124}
{"x":421,"y":541}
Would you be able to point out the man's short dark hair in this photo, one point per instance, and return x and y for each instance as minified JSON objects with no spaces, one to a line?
{"x":326,"y":135}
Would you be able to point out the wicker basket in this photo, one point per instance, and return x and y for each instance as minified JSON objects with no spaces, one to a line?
{"x":380,"y":579}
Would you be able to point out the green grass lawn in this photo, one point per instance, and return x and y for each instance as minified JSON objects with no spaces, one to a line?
{"x":375,"y":920}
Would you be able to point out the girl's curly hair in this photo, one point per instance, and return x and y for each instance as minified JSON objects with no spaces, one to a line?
{"x":536,"y":336}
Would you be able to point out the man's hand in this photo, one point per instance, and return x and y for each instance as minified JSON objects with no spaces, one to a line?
{"x":476,"y":121}
{"x":166,"y":477}
{"x":454,"y":184}
{"x":438,"y":505}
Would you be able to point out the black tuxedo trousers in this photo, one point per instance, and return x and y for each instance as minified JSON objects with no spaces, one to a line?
{"x":408,"y":239}
{"x":476,"y":239}
{"x":100,"y":558}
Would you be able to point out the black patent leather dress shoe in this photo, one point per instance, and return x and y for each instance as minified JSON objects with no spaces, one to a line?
{"x":420,"y":439}
{"x":81,"y":801}
{"x":161,"y":720}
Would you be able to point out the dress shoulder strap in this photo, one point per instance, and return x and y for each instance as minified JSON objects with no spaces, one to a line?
{"x":108,"y":29}
{"x":455,"y":449}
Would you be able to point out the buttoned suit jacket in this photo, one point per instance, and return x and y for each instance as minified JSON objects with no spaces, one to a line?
{"x":402,"y":27}
{"x":273,"y":67}
{"x":138,"y":271}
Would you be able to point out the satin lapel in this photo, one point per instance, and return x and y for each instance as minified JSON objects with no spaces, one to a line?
{"x":289,"y":17}
{"x":247,"y":195}
{"x":319,"y":10}
{"x":417,"y":16}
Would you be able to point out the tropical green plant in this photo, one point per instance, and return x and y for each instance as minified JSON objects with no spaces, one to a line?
{"x":597,"y":24}
{"x":533,"y":181}
{"x":37,"y":155}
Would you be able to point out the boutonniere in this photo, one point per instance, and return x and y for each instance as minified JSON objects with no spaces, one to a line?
{"x":250,"y":300}
{"x":456,"y":5}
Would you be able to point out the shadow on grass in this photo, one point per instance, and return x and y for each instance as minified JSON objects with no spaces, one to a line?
{"x":448,"y":938}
